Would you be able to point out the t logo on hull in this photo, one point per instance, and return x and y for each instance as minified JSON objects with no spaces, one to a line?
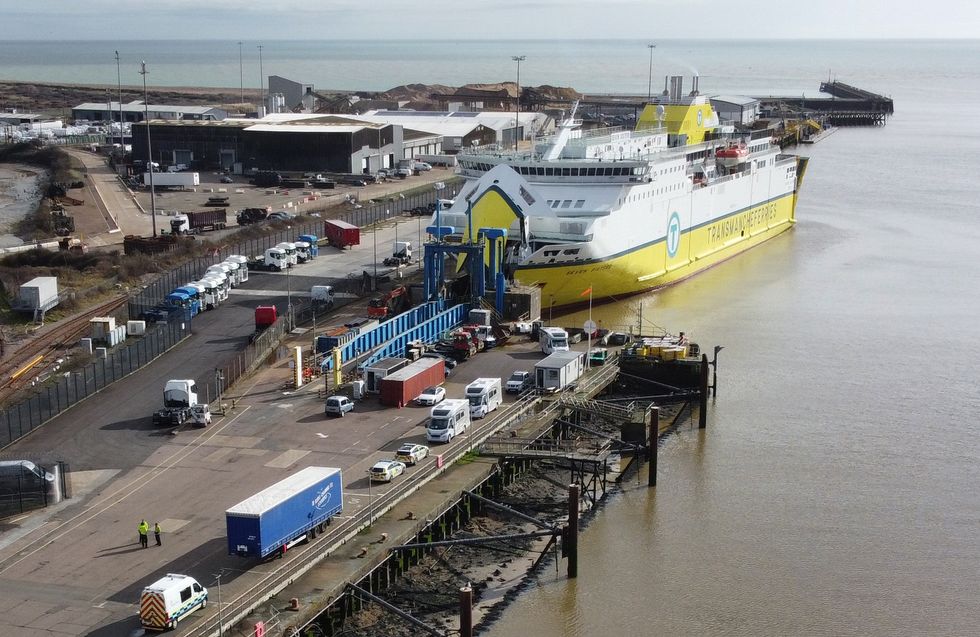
{"x":673,"y":234}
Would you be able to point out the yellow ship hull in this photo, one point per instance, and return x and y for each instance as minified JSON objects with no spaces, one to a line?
{"x":649,"y":266}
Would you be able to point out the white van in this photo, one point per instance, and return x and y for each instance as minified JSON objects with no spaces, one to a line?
{"x":447,"y":420}
{"x":169,"y":599}
{"x":553,"y":339}
{"x":484,"y":395}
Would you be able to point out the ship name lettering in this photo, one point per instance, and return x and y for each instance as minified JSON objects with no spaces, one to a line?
{"x":737,"y":225}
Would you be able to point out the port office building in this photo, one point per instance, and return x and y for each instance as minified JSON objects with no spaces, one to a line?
{"x":285,"y":143}
{"x":135,"y":112}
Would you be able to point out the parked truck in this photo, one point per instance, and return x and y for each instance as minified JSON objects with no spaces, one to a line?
{"x":172,"y":180}
{"x":285,"y":514}
{"x":265,"y":315}
{"x":401,"y":254}
{"x":274,"y":260}
{"x":251,"y":215}
{"x":178,"y":398}
{"x":341,"y":234}
{"x":201,"y":221}
{"x":405,"y":385}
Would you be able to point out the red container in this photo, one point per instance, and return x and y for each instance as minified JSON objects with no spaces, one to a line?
{"x":405,"y":385}
{"x":265,"y":315}
{"x":341,"y":234}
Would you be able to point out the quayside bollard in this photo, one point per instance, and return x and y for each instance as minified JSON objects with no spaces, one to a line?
{"x":703,"y":407}
{"x":571,"y":537}
{"x":653,"y":437}
{"x":466,"y":611}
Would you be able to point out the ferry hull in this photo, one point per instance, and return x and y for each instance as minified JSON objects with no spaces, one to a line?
{"x":648,"y":267}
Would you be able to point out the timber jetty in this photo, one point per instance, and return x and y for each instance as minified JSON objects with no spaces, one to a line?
{"x":847,"y":106}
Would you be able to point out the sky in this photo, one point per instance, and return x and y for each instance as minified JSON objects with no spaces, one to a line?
{"x":485,"y":19}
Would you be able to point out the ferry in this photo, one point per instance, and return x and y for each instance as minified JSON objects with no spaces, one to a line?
{"x":609,"y":212}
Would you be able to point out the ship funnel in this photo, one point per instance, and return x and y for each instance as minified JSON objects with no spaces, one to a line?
{"x":666,"y":91}
{"x":676,"y":87}
{"x":694,"y":86}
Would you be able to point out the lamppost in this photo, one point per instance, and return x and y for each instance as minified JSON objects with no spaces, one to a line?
{"x":261,"y":80}
{"x":119,"y":84}
{"x":220,"y":622}
{"x":374,"y":283}
{"x":650,"y":80}
{"x":149,"y":151}
{"x":517,"y":113}
{"x":241,"y":74}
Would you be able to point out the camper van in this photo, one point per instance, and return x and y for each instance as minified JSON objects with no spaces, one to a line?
{"x":484,"y":395}
{"x":447,"y":420}
{"x":553,"y":339}
{"x":169,"y":599}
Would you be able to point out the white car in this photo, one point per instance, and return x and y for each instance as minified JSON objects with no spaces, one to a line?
{"x":386,"y":470}
{"x":519,"y":381}
{"x":431,"y":396}
{"x":423,"y":166}
{"x":411,"y":453}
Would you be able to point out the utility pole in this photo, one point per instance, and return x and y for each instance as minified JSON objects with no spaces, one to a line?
{"x":241,"y":73}
{"x":261,"y":81}
{"x":517,"y":113}
{"x":650,"y":81}
{"x":149,"y":151}
{"x":119,"y":84}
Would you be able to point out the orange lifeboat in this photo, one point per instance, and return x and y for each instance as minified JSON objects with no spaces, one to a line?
{"x":732,"y":155}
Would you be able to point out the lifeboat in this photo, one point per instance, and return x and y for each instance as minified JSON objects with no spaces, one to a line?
{"x":732,"y":155}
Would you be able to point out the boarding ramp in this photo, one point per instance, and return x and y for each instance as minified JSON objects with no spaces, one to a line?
{"x":427,"y":331}
{"x":382,"y":333}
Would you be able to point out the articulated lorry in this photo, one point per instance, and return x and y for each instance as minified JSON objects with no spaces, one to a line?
{"x":283,"y":515}
{"x":201,"y":221}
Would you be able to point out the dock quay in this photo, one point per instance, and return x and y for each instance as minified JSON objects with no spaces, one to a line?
{"x":371,"y":554}
{"x":847,"y":106}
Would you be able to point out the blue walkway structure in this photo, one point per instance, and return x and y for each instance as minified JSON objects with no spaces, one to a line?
{"x":386,"y":331}
{"x":428,"y":332}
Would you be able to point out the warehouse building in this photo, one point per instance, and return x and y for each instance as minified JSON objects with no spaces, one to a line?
{"x":284,"y":143}
{"x":736,"y":109}
{"x":135,"y":112}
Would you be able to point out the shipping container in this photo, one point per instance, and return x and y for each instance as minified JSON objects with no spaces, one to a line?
{"x":403,"y":386}
{"x":265,"y":315}
{"x":288,"y":512}
{"x":40,"y":293}
{"x":376,"y":371}
{"x":341,"y":234}
{"x":176,"y":180}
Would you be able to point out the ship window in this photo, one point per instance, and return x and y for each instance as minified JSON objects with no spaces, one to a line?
{"x":555,"y":203}
{"x":580,"y":203}
{"x":591,"y":172}
{"x":566,"y":203}
{"x":549,"y":172}
{"x":566,"y":172}
{"x":575,"y":251}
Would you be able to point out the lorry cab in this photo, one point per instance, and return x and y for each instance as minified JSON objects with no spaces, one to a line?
{"x":219,"y":283}
{"x":553,"y":339}
{"x":290,"y":250}
{"x":302,"y":251}
{"x":179,"y":393}
{"x":447,"y":420}
{"x":311,"y":239}
{"x":233,"y":274}
{"x":484,"y":395}
{"x":199,"y":293}
{"x":322,"y":296}
{"x":225,"y":269}
{"x":169,"y":599}
{"x":242,"y":262}
{"x":180,"y":224}
{"x":209,"y":298}
{"x":181,"y":299}
{"x":275,"y":259}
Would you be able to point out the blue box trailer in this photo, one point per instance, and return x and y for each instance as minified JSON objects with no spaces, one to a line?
{"x":287,"y":512}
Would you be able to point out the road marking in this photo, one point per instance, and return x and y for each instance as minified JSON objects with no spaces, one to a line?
{"x":320,"y":435}
{"x":132,"y":487}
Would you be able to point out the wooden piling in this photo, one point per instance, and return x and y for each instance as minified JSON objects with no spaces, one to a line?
{"x":703,"y":407}
{"x":571,"y":537}
{"x":653,"y":438}
{"x":466,"y":611}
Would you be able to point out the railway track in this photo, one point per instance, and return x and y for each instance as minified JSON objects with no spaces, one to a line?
{"x":41,"y":352}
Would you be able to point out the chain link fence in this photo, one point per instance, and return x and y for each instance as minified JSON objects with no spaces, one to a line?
{"x":69,"y":387}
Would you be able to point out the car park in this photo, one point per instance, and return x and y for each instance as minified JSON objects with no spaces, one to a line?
{"x":386,"y":470}
{"x":519,"y":381}
{"x":338,"y":405}
{"x":411,"y":454}
{"x":431,"y":396}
